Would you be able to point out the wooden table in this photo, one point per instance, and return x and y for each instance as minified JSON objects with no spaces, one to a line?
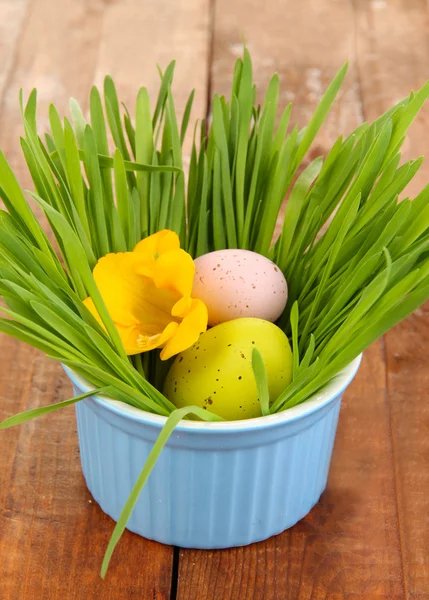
{"x":369,"y":535}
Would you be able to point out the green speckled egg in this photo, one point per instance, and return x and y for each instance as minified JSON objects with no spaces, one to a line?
{"x":216,"y":372}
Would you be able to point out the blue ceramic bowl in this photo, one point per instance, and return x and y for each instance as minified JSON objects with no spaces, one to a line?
{"x":215,"y":485}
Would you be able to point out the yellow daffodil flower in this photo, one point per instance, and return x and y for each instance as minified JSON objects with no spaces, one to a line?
{"x":148,"y":295}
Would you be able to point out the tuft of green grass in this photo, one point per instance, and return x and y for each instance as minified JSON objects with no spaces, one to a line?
{"x":355,"y":258}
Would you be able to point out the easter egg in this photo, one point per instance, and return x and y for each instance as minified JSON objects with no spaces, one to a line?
{"x":235,"y":284}
{"x":216,"y":372}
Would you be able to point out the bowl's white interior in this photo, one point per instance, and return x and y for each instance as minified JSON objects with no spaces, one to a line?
{"x":330,"y":391}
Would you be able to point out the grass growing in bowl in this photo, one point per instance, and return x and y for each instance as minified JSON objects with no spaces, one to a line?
{"x":356,"y":259}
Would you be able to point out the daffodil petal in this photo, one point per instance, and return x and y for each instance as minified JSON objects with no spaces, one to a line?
{"x":128,"y":334}
{"x":188,"y":331}
{"x":174,"y":271}
{"x":159,"y":243}
{"x":119,"y":285}
{"x":182,"y":307}
{"x":131,"y":298}
{"x":154,"y":246}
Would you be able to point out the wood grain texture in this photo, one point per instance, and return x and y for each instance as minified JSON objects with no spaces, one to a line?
{"x":52,"y":535}
{"x":12,"y":18}
{"x":305,"y":42}
{"x":351,"y":545}
{"x":368,"y":537}
{"x":154,"y":32}
{"x":57,"y":53}
{"x":392,"y":50}
{"x":407,"y":397}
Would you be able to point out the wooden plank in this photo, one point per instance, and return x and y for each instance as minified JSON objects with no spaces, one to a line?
{"x":12,"y":17}
{"x":52,"y":535}
{"x":407,"y":385}
{"x":155,"y":35}
{"x":393,"y":49}
{"x":57,"y":54}
{"x":349,"y":544}
{"x":306,"y":44}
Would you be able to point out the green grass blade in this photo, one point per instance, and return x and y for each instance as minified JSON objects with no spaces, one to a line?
{"x":144,"y":152}
{"x":98,"y":212}
{"x":130,"y":130}
{"x":294,"y":323}
{"x":219,"y":237}
{"x":260,"y":375}
{"x":225,"y":191}
{"x":294,"y":208}
{"x":350,"y":209}
{"x":309,"y":352}
{"x":166,"y":80}
{"x":21,"y":209}
{"x":319,"y":115}
{"x":172,"y":421}
{"x":123,"y":200}
{"x":74,"y":175}
{"x":114,"y":116}
{"x":78,"y":119}
{"x":186,"y":117}
{"x":33,"y":413}
{"x":245,"y":101}
{"x":408,"y":115}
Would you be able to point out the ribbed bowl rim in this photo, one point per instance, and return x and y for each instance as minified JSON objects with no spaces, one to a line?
{"x":327,"y":394}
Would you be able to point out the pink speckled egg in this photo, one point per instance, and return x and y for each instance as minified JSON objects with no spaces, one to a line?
{"x":239,"y":283}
